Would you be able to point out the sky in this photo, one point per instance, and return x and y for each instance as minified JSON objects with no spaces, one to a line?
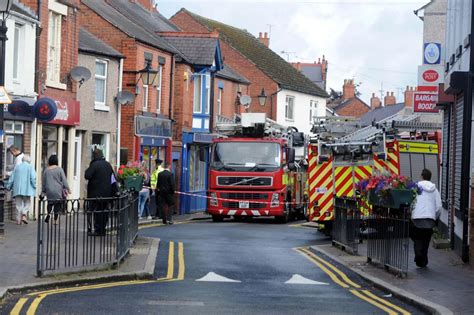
{"x":378,"y":43}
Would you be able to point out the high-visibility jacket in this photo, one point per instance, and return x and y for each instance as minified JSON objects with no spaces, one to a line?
{"x":154,"y":177}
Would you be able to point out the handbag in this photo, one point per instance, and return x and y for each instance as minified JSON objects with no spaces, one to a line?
{"x":114,"y":184}
{"x":65,"y":193}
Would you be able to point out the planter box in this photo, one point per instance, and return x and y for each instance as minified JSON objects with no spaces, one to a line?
{"x":133,"y":183}
{"x":395,"y":199}
{"x":440,"y":243}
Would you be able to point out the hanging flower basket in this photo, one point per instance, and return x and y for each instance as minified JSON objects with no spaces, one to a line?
{"x":133,"y":183}
{"x":400,"y":197}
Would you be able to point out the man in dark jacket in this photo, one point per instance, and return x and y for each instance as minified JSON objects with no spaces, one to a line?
{"x":166,"y":190}
{"x":99,"y":185}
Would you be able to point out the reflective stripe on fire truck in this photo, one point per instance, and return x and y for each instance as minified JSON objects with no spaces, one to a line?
{"x":418,"y":147}
{"x":343,"y":181}
{"x":391,"y":164}
{"x":320,"y":187}
{"x":360,"y":173}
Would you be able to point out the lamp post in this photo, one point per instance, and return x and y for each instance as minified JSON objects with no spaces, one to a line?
{"x":5,"y":6}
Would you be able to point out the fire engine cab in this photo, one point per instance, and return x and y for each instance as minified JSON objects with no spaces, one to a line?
{"x":254,"y":170}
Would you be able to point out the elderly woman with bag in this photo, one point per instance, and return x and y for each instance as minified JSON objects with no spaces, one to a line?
{"x":23,"y":186}
{"x":55,"y":188}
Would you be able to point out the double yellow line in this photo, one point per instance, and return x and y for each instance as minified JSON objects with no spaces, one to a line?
{"x":39,"y":296}
{"x":343,"y":280}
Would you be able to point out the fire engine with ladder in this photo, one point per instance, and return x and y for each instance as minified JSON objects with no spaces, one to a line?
{"x":338,"y":160}
{"x":256,"y":171}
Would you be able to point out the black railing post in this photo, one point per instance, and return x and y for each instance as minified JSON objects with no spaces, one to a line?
{"x":3,"y":40}
{"x":39,"y":242}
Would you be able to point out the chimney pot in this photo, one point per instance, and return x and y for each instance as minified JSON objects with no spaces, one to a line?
{"x":265,"y":36}
{"x":260,"y":35}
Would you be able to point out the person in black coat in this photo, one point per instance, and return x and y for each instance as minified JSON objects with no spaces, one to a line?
{"x":166,"y":190}
{"x":99,"y":185}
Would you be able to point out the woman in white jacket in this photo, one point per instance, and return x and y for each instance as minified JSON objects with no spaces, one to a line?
{"x":424,"y":215}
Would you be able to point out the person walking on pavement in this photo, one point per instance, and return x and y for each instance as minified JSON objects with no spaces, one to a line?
{"x":166,"y":192}
{"x":98,"y":175}
{"x":22,"y":182}
{"x":17,"y":154}
{"x":144,"y":196}
{"x":54,"y":187}
{"x":424,"y":215}
{"x":153,"y":184}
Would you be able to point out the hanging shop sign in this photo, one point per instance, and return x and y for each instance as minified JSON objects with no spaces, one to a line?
{"x":432,"y":53}
{"x":430,"y":75}
{"x":45,"y":109}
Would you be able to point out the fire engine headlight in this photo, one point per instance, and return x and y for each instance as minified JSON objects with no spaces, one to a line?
{"x":275,"y":200}
{"x":213,"y":200}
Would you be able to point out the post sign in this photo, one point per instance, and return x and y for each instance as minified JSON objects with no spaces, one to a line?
{"x":430,"y":75}
{"x":425,"y":102}
{"x":432,"y":53}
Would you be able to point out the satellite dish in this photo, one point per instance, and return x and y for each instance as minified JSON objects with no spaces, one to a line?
{"x":124,"y":97}
{"x":245,"y":100}
{"x":80,"y":74}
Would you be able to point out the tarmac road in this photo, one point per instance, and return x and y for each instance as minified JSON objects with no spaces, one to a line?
{"x":256,"y":267}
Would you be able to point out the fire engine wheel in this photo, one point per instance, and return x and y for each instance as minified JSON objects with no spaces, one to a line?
{"x":217,"y":218}
{"x":285,"y":217}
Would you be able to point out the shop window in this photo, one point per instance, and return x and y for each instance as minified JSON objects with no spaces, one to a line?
{"x":101,"y":85}
{"x":197,"y":170}
{"x":100,"y":141}
{"x":49,"y":144}
{"x":13,"y":136}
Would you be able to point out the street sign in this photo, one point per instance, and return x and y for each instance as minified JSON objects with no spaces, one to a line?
{"x":4,"y":97}
{"x":425,"y":102}
{"x":432,"y":53}
{"x":430,"y":75}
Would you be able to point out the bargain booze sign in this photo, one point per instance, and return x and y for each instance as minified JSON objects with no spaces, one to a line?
{"x":425,"y":102}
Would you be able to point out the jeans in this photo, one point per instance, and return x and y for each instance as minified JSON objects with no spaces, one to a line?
{"x":143,"y":196}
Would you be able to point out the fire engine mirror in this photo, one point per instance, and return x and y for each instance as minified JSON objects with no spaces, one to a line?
{"x":292,"y":166}
{"x":202,"y":154}
{"x":291,"y":156}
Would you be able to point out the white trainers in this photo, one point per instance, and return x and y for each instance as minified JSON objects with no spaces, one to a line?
{"x":149,"y":217}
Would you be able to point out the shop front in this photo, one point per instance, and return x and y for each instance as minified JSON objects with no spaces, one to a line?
{"x":194,"y":172}
{"x":58,"y":136}
{"x":154,"y":140}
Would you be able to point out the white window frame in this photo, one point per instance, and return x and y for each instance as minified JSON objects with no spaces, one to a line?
{"x":158,"y":90}
{"x":220,"y":91}
{"x":102,"y":105}
{"x":145,"y":98}
{"x":208,"y":94}
{"x":287,"y":108}
{"x":10,"y":126}
{"x":18,"y":49}
{"x":53,"y":65}
{"x":197,"y":89}
{"x":313,"y":105}
{"x":106,"y":144}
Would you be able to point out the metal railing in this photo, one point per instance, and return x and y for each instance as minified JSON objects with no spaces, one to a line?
{"x":78,"y":233}
{"x":346,"y":226}
{"x":388,"y":238}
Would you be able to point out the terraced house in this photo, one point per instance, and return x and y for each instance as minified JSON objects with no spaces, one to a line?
{"x":292,"y":99}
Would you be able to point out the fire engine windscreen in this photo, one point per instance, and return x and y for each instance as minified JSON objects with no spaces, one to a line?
{"x":246,"y":156}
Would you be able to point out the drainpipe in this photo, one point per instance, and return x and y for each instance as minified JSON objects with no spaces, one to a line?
{"x":37,"y":50}
{"x":169,"y":155}
{"x":119,"y":114}
{"x":466,"y":149}
{"x":271,"y":103}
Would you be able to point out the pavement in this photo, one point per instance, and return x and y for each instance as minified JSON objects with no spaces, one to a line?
{"x":445,"y":287}
{"x":18,"y":260}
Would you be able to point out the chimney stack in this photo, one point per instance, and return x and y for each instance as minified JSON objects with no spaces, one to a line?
{"x":264,"y":39}
{"x":389,"y":99}
{"x":324,"y":71}
{"x":348,"y":89}
{"x":147,"y":4}
{"x":375,"y":102}
{"x":409,"y":93}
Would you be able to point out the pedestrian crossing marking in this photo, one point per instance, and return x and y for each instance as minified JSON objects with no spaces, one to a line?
{"x":214,"y":277}
{"x":299,"y":279}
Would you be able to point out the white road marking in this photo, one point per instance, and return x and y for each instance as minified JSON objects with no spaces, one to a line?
{"x":214,"y":277}
{"x":299,"y":279}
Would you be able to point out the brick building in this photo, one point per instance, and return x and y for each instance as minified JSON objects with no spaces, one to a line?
{"x":292,"y":99}
{"x":317,"y":71}
{"x":131,"y":28}
{"x":349,"y":104}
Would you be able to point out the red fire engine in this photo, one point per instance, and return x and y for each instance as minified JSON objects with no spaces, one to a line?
{"x":254,"y":172}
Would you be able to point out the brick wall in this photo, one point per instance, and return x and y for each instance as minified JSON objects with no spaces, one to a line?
{"x":134,"y":61}
{"x":355,"y":109}
{"x":230,"y":105}
{"x":238,"y":62}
